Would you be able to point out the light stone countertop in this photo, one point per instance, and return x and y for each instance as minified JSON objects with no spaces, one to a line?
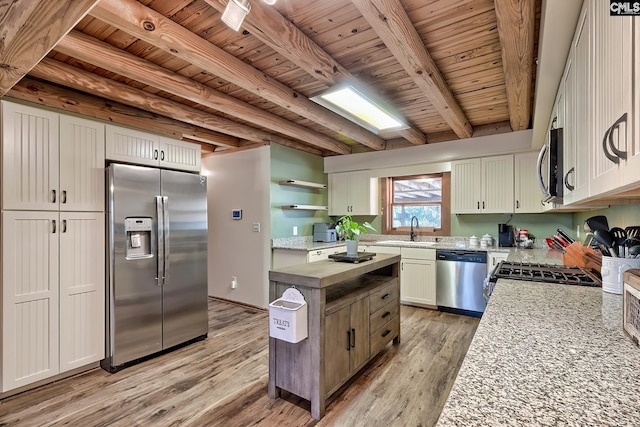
{"x":547,"y":355}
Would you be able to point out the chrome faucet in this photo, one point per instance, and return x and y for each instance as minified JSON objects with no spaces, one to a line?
{"x":412,"y":235}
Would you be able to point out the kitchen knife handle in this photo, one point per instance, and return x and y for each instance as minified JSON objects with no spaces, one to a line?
{"x":160,"y":239}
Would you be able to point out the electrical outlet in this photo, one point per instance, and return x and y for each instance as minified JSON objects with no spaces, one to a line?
{"x":234,"y":282}
{"x":295,"y":230}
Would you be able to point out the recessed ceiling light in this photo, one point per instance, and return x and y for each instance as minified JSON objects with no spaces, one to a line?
{"x":352,"y":104}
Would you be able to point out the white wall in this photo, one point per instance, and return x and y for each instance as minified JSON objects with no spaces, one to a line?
{"x":239,"y":181}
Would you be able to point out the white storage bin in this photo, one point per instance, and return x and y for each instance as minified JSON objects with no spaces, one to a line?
{"x":288,"y":317}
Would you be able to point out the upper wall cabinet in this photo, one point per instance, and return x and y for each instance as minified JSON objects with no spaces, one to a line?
{"x":51,"y":161}
{"x":133,"y":146}
{"x":613,"y":96}
{"x":482,"y":185}
{"x":353,"y":193}
{"x":527,"y":195}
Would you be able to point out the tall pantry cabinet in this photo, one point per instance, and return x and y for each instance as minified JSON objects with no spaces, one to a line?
{"x":52,"y":244}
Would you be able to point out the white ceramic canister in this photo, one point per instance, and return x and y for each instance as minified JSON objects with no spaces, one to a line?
{"x":473,"y":241}
{"x":612,"y":269}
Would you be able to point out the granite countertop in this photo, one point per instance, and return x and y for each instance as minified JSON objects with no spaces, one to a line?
{"x":548,"y":355}
{"x":306,"y":243}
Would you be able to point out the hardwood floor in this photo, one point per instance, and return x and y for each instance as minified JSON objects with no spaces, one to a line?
{"x":223,"y":381}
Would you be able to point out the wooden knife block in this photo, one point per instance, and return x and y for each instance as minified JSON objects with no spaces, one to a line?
{"x":582,"y":256}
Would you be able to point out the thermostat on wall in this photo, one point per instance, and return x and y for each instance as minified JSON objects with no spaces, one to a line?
{"x":236,"y":214}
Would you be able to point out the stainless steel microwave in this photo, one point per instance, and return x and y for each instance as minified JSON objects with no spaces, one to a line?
{"x":550,"y":172}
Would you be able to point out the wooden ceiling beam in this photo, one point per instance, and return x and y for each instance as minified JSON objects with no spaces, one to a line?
{"x":50,"y":95}
{"x":30,"y":29}
{"x":271,"y":28}
{"x":103,"y":55}
{"x":392,"y":24}
{"x":78,"y":79}
{"x":136,"y":19}
{"x":516,"y":27}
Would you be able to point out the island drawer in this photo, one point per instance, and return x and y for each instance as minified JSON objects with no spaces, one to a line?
{"x":382,"y":296}
{"x":382,"y":316}
{"x":379,"y":339}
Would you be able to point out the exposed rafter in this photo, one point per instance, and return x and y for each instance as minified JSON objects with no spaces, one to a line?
{"x":152,"y":27}
{"x":392,"y":24}
{"x":516,"y":26}
{"x":75,"y":78}
{"x":32,"y":90}
{"x":105,"y":56}
{"x":271,"y":28}
{"x":30,"y":29}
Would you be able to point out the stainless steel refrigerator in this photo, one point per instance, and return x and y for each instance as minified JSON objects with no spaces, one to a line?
{"x":157,"y":275}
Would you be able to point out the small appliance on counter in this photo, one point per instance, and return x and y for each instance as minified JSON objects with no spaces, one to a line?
{"x":505,"y":235}
{"x":324,"y":232}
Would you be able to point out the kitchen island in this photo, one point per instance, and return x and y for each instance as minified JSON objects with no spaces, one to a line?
{"x":353,"y":313}
{"x":547,"y":354}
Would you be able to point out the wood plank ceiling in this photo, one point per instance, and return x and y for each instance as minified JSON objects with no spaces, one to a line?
{"x":451,"y":68}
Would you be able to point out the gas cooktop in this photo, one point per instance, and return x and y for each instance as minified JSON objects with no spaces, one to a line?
{"x":547,"y":273}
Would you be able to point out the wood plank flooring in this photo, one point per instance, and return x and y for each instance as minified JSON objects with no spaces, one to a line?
{"x":222,"y":381}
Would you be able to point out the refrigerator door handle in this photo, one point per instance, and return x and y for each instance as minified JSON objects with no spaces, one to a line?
{"x":160,"y":255}
{"x":165,"y":205}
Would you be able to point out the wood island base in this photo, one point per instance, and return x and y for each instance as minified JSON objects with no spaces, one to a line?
{"x":353,"y":313}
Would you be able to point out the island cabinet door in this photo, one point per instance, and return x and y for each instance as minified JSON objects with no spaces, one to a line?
{"x":359,"y":352}
{"x":337,"y":348}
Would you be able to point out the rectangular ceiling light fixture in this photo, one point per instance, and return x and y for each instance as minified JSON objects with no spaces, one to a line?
{"x":235,"y":12}
{"x":352,"y":104}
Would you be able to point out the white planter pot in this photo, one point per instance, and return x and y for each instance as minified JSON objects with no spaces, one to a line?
{"x":352,"y":247}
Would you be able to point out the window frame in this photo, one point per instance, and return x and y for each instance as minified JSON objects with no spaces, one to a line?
{"x":445,"y":211}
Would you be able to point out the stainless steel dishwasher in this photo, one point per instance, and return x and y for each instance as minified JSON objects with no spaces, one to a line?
{"x":460,"y":278}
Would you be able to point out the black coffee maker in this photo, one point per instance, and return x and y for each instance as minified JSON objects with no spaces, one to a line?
{"x":505,"y":235}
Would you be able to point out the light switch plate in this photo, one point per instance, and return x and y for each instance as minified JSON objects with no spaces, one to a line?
{"x":256,"y":227}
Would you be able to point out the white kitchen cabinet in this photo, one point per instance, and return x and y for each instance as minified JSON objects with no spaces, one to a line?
{"x":320,"y":254}
{"x":52,"y":292}
{"x":613,"y":97}
{"x":494,"y":258}
{"x":353,"y":193}
{"x":418,"y":276}
{"x":82,"y":289}
{"x":143,"y":148}
{"x":51,"y":161}
{"x":484,"y":185}
{"x":578,"y":126}
{"x":527,"y":194}
{"x":30,"y":326}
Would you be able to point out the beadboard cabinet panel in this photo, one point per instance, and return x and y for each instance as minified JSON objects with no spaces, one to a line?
{"x":30,"y":331}
{"x":30,"y":144}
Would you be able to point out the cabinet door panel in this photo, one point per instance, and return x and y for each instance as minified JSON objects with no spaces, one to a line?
{"x":364,"y":194}
{"x":528,"y":197}
{"x":176,"y":154}
{"x":336,"y":348}
{"x":339,"y":198}
{"x":132,"y":146}
{"x":29,"y":158}
{"x":417,"y":284}
{"x":81,"y":164}
{"x":29,"y":297}
{"x":466,"y":186}
{"x":497,"y":184}
{"x":359,"y":327}
{"x":82,"y":289}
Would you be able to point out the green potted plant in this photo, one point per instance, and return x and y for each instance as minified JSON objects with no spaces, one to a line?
{"x":350,"y":231}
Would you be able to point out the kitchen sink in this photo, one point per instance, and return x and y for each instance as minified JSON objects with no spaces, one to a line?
{"x":406,"y":243}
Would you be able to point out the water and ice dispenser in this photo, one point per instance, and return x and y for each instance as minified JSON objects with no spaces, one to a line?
{"x":138,"y":232}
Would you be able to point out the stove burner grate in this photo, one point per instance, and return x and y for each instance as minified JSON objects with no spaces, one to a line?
{"x":546,"y":273}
